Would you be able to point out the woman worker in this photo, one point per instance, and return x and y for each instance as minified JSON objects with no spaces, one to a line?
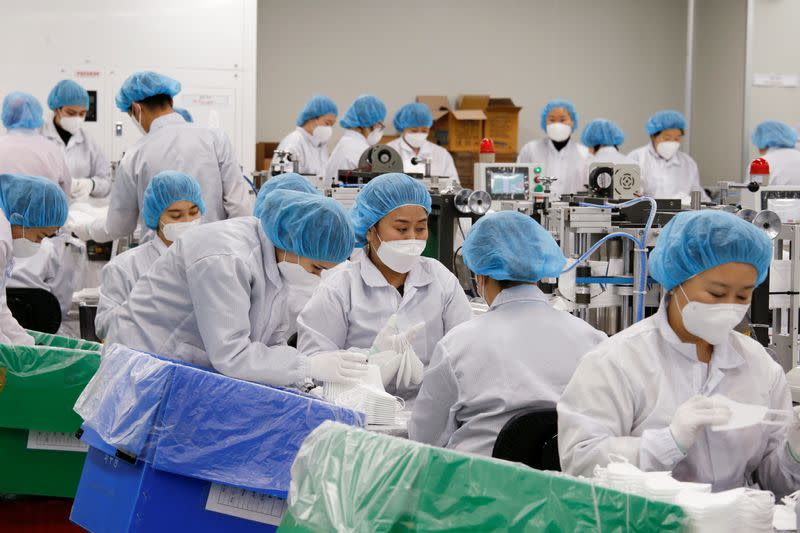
{"x":520,"y":353}
{"x":648,"y":393}
{"x":173,"y":204}
{"x":363,"y":125}
{"x":413,"y":122}
{"x":389,"y":296}
{"x":309,"y":140}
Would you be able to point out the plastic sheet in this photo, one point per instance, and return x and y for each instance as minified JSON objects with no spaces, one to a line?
{"x":39,"y":385}
{"x":198,"y":423}
{"x":345,"y":479}
{"x":48,"y":339}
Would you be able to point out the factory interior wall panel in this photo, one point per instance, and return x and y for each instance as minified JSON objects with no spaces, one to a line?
{"x":717,"y":120}
{"x":208,"y":45}
{"x":618,"y":59}
{"x":775,"y":52}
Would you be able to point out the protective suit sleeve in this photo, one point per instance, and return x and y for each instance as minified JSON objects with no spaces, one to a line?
{"x":235,"y":196}
{"x":100,"y":171}
{"x":115,"y":286}
{"x":219,"y":287}
{"x":123,"y":209}
{"x":10,"y":330}
{"x":322,"y":324}
{"x":457,"y":308}
{"x":66,"y":262}
{"x":434,"y":418}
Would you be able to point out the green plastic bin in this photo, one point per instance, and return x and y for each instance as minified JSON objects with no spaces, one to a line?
{"x":57,"y":341}
{"x":346,"y":479}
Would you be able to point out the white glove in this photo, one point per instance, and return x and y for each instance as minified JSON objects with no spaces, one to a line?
{"x":389,"y":363}
{"x":80,"y":230}
{"x":82,"y":188}
{"x":693,"y":415}
{"x":337,"y":367}
{"x":388,"y":337}
{"x":794,"y":435}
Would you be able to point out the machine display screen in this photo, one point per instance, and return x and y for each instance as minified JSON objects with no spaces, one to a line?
{"x":507,"y":183}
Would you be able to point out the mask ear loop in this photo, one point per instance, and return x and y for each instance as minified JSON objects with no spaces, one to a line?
{"x":777,"y":417}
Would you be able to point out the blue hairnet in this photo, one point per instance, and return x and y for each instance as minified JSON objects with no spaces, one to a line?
{"x":145,"y":84}
{"x":555,"y":104}
{"x":32,"y":202}
{"x":165,"y":189}
{"x":184,"y":113}
{"x":665,"y":120}
{"x":774,"y":134}
{"x":695,"y":241}
{"x":511,"y":246}
{"x":308,"y":225}
{"x":365,"y":112}
{"x":602,"y":132}
{"x":316,"y":107}
{"x":289,"y":181}
{"x":68,"y":92}
{"x":383,"y":195}
{"x":413,"y":116}
{"x":22,"y":110}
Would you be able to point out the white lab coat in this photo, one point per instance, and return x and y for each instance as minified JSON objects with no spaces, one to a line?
{"x":85,"y":158}
{"x":58,"y":267}
{"x":520,"y":353}
{"x":784,"y":166}
{"x":625,"y":392}
{"x":215,"y":299}
{"x":174,"y":144}
{"x":661,"y":178}
{"x":442,"y":162}
{"x":10,"y":330}
{"x":354,"y":301}
{"x":566,"y":165}
{"x":27,"y":152}
{"x":313,"y":156}
{"x":118,"y":278}
{"x":345,"y":155}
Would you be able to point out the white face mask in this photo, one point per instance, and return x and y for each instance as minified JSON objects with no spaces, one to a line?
{"x":25,"y":248}
{"x":416,"y":140}
{"x":402,"y":255}
{"x":174,"y":230}
{"x":668,"y":149}
{"x":322,"y":134}
{"x":72,"y":124}
{"x":745,"y":415}
{"x":297,"y":277}
{"x":136,"y":122}
{"x":711,"y":322}
{"x":558,"y":131}
{"x":375,"y":136}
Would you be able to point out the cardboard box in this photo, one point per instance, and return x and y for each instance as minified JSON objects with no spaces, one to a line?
{"x":502,"y":125}
{"x":459,"y":129}
{"x":264,"y":154}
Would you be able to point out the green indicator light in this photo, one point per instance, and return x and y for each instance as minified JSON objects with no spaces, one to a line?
{"x":538,"y":170}
{"x":538,"y":188}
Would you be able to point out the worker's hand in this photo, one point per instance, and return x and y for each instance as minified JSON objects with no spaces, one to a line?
{"x":694,"y":414}
{"x":82,"y":188}
{"x":794,"y":434}
{"x":80,"y":230}
{"x":337,"y":367}
{"x":389,"y":339}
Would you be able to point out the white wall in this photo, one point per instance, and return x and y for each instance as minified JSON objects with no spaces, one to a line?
{"x":209,"y":45}
{"x":618,"y":59}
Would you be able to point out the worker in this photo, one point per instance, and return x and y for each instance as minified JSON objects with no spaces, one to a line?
{"x":776,"y":143}
{"x":486,"y":370}
{"x":288,"y":181}
{"x":217,"y":297}
{"x":309,"y":140}
{"x":560,"y":156}
{"x":413,"y":122}
{"x":173,"y":204}
{"x":88,"y":165}
{"x":25,"y":151}
{"x":31,"y":209}
{"x":666,"y":171}
{"x":364,"y":128}
{"x":353,"y":305}
{"x":184,"y":113}
{"x":648,"y":393}
{"x":168,"y":143}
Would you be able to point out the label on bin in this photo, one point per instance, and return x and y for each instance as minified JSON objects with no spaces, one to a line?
{"x":3,"y":371}
{"x":246,"y":504}
{"x":60,"y":442}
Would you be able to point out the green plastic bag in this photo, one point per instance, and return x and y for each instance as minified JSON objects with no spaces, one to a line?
{"x":347,"y":479}
{"x":48,"y":339}
{"x":40,"y":384}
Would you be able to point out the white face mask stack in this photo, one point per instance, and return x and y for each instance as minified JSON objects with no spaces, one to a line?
{"x":369,"y":397}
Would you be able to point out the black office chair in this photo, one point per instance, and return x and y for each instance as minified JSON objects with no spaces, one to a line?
{"x":35,"y":309}
{"x":531,"y":437}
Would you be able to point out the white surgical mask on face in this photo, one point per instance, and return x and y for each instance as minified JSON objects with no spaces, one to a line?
{"x":402,"y":255}
{"x":322,"y":134}
{"x":296,"y":276}
{"x":416,"y":140}
{"x":25,"y":248}
{"x":174,"y":230}
{"x":558,"y":131}
{"x":136,"y":121}
{"x":375,"y":136}
{"x":711,"y":322}
{"x":668,"y":149}
{"x":72,"y":124}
